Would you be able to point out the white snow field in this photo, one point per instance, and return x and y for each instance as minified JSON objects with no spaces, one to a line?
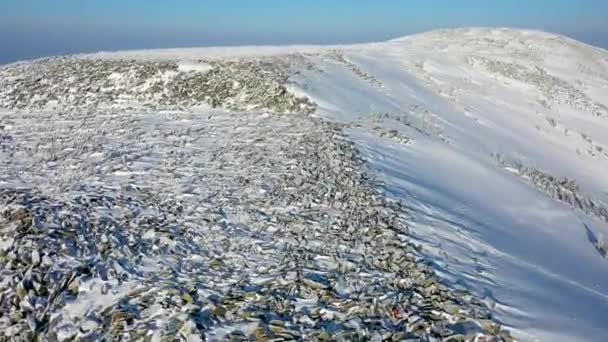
{"x":493,"y":141}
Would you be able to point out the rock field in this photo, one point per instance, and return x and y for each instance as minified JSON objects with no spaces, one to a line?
{"x":250,"y":221}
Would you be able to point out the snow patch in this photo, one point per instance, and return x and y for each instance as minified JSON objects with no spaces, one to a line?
{"x":194,"y":67}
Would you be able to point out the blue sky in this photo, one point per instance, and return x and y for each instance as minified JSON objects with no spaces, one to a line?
{"x":34,"y":28}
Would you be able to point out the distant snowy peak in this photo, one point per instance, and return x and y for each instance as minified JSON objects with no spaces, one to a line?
{"x":230,"y":76}
{"x":525,"y":45}
{"x":479,"y":33}
{"x":496,"y":37}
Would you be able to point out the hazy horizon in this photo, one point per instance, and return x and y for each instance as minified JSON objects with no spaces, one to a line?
{"x":34,"y":28}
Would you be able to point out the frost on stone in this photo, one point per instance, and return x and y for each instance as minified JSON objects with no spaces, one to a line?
{"x":561,"y":189}
{"x":338,"y":56}
{"x":210,"y":226}
{"x":602,"y":244}
{"x":88,"y":84}
{"x":236,"y":85}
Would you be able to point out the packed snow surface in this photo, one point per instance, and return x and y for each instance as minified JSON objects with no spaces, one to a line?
{"x":494,"y":142}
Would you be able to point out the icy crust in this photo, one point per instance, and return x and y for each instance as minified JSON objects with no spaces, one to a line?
{"x":232,"y":226}
{"x":73,"y":84}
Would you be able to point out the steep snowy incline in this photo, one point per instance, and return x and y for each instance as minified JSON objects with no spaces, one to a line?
{"x":495,"y":119}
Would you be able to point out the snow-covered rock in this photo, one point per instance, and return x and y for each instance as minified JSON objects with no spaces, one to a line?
{"x":333,"y":192}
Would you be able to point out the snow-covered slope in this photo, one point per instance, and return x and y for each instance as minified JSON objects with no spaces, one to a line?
{"x":489,"y":145}
{"x":476,"y":103}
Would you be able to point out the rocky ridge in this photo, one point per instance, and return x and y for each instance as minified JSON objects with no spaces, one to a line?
{"x":74,"y":84}
{"x":240,"y":225}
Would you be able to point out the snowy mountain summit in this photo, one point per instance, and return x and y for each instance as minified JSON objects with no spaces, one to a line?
{"x":447,"y":186}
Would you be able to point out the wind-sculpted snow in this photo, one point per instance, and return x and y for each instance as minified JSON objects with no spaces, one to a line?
{"x":553,"y":89}
{"x":562,"y":189}
{"x":308,"y":193}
